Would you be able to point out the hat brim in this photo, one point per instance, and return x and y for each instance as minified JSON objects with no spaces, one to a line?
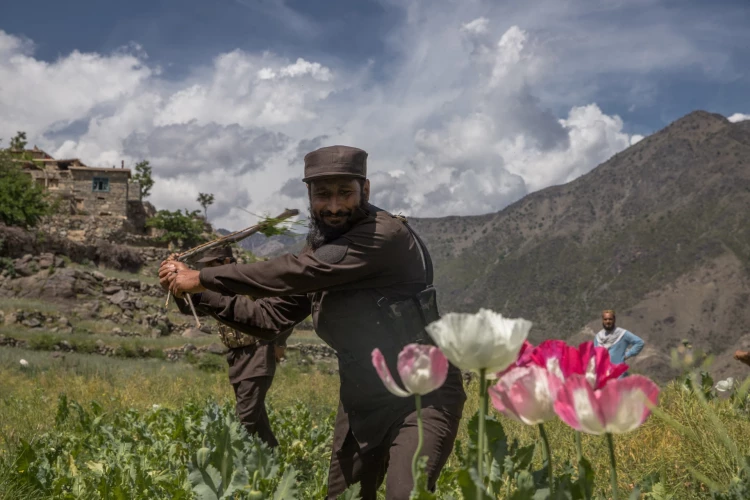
{"x":331,"y":175}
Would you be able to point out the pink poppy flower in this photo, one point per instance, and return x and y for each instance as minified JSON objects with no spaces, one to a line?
{"x":422,"y":369}
{"x":526,"y":394}
{"x":619,"y":407}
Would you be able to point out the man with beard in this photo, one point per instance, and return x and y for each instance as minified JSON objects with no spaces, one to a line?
{"x":621,"y":344}
{"x":252,"y":361}
{"x":366,"y":278}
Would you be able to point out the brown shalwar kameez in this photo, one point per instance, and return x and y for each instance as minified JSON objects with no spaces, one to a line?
{"x":251,"y":371}
{"x":349,"y":286}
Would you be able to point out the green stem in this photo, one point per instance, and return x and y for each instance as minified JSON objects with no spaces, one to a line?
{"x":548,"y":457}
{"x":612,"y":465}
{"x":480,"y":444}
{"x":420,"y":433}
{"x":579,"y":453}
{"x":579,"y":447}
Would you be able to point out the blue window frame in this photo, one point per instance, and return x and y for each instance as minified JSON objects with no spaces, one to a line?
{"x":100,"y":184}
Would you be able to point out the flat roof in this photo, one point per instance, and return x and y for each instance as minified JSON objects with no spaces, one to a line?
{"x":102,"y":169}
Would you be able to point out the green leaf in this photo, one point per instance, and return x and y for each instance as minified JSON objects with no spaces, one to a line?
{"x":352,"y":493}
{"x":287,"y":489}
{"x":524,"y":487}
{"x":468,"y":481}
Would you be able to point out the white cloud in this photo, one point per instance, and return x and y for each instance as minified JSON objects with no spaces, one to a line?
{"x":461,"y":123}
{"x":738,"y":117}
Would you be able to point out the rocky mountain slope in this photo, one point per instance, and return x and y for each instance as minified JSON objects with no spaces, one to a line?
{"x":660,"y":233}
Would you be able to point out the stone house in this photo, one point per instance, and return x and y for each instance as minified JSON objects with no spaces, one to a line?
{"x":88,"y":190}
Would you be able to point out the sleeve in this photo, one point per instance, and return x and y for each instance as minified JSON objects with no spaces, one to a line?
{"x":636,"y":345}
{"x":263,"y":318}
{"x":184,"y":307}
{"x":364,"y":252}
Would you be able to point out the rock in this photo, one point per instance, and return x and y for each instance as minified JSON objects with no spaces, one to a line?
{"x":155,"y":333}
{"x":119,"y":298}
{"x":32,"y":323}
{"x":63,"y":321}
{"x":46,"y":260}
{"x":99,"y":276}
{"x":59,"y":262}
{"x":216,"y":348}
{"x":117,"y":331}
{"x":65,"y":345}
{"x":111,"y":290}
{"x":10,"y":318}
{"x":194,"y":333}
{"x":188,"y":348}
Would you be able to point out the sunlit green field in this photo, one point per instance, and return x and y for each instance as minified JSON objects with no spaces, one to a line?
{"x":29,"y":405}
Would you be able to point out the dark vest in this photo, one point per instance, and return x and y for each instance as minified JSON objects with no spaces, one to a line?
{"x":355,"y":322}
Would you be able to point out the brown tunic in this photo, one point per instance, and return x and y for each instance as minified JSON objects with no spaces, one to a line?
{"x":342,"y":285}
{"x":249,"y":361}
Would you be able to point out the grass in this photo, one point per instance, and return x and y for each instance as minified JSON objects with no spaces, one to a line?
{"x":147,"y":275}
{"x":28,"y":397}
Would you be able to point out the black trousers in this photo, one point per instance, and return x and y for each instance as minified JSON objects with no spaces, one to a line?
{"x":251,"y":407}
{"x":394,"y":456}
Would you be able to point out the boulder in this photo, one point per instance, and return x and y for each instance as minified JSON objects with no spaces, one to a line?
{"x":216,"y":348}
{"x":111,"y":290}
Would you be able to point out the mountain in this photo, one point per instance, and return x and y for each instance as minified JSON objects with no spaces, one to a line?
{"x":268,"y":247}
{"x":660,"y":233}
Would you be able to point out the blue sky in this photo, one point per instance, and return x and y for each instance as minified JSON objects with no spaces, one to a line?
{"x":464,"y":106}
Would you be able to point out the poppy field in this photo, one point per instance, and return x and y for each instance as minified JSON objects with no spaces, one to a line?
{"x":93,"y":428}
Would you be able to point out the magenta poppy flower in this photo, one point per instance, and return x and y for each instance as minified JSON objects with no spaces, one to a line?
{"x":619,"y":407}
{"x":597,"y":366}
{"x":422,"y":369}
{"x":560,"y":359}
{"x":526,"y":394}
{"x":563,"y":360}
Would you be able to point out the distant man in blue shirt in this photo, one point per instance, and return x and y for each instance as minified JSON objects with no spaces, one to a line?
{"x":620,"y":343}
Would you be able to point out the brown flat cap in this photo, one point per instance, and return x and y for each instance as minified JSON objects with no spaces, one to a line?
{"x":335,"y":161}
{"x":217,"y":253}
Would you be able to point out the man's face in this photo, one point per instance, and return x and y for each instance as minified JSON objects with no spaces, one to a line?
{"x":608,"y":321}
{"x":334,"y":202}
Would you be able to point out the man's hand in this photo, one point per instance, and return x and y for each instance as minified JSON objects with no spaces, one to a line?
{"x":184,"y":281}
{"x":168,"y":268}
{"x":279,"y":351}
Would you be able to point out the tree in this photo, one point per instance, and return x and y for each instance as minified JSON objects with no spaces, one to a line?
{"x":19,"y":141}
{"x":22,"y":202}
{"x":205,"y":200}
{"x":143,"y":177}
{"x":185,"y":229}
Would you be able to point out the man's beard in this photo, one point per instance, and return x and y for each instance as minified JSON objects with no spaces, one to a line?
{"x":611,"y":329}
{"x":320,"y":233}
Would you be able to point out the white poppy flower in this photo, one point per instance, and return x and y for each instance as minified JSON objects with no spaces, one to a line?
{"x":482,"y":340}
{"x":725,"y":385}
{"x":24,"y":363}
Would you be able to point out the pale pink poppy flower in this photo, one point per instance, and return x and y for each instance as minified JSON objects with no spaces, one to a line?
{"x":619,"y":407}
{"x":422,"y":369}
{"x":526,"y":394}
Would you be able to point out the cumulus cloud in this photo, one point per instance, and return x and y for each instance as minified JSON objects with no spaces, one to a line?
{"x":738,"y":117}
{"x":480,"y":104}
{"x":185,"y":149}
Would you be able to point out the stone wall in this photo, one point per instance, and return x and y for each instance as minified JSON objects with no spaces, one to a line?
{"x":113,"y":202}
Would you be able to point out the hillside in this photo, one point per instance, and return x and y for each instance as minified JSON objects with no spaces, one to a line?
{"x":659,"y":232}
